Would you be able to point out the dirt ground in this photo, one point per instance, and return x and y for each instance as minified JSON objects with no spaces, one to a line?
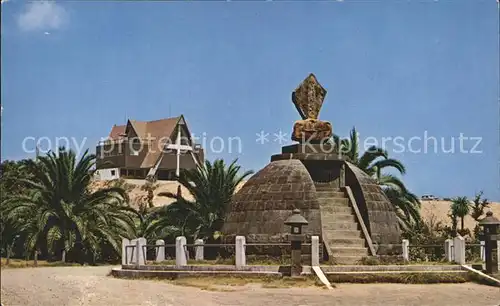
{"x":92,"y":286}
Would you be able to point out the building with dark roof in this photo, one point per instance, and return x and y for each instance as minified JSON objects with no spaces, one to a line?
{"x":139,"y":149}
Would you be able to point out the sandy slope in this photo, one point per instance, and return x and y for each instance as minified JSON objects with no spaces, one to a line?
{"x":437,"y":210}
{"x":440,"y":210}
{"x":137,"y":194}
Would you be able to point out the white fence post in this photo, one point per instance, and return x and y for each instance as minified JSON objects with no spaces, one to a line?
{"x":180,"y":253}
{"x":483,"y":255}
{"x":448,"y":250}
{"x":199,"y":252}
{"x":125,"y":258}
{"x":315,"y":251}
{"x":498,"y":253}
{"x":141,"y":251}
{"x":406,"y":249}
{"x":137,"y":252}
{"x":160,"y":250}
{"x":132,"y":253}
{"x":459,"y":250}
{"x":240,"y":259}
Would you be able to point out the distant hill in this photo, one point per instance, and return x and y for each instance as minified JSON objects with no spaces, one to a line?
{"x":137,"y":195}
{"x":440,"y":210}
{"x":430,"y":209}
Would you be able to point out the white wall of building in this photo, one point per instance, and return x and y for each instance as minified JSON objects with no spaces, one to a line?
{"x":107,"y":174}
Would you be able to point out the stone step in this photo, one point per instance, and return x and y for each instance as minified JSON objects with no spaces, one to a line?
{"x":345,"y":251}
{"x":326,"y":186}
{"x":345,"y":260}
{"x":344,"y":234}
{"x":339,"y":217}
{"x":346,"y":242}
{"x":330,"y":194}
{"x":334,"y":226}
{"x":333,"y":202}
{"x":336,"y":209}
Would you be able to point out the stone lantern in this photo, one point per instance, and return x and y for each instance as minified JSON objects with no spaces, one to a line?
{"x":491,"y":233}
{"x":296,"y":221}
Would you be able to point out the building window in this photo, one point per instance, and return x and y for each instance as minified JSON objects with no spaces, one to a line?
{"x":113,"y":172}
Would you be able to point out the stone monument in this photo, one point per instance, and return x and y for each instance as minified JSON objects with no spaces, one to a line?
{"x":344,"y":207}
{"x":308,"y":99}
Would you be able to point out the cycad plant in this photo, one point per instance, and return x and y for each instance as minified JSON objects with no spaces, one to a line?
{"x":59,"y":213}
{"x":212,"y":186}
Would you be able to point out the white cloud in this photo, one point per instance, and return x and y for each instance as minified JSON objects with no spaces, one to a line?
{"x":3,"y":1}
{"x":42,"y":15}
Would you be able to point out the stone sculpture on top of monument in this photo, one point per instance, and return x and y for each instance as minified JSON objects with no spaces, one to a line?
{"x":344,"y":206}
{"x":313,"y":135}
{"x":308,"y":99}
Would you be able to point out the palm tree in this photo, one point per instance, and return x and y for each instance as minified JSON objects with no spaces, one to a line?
{"x":58,"y":211}
{"x":157,"y":223}
{"x":372,"y":162}
{"x":460,"y":208}
{"x":212,"y":187}
{"x":11,"y":172}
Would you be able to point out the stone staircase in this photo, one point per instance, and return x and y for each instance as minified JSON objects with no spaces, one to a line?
{"x":341,"y":234}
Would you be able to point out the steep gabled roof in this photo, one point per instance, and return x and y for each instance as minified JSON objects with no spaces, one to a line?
{"x":143,"y":129}
{"x":140,"y":128}
{"x":157,"y":132}
{"x":116,"y":131}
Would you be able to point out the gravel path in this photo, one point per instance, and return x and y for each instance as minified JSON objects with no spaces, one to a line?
{"x":90,"y":286}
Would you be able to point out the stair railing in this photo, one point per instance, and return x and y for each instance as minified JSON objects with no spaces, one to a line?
{"x":360,"y":220}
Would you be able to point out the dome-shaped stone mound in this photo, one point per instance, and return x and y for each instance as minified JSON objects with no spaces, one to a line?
{"x":326,"y":192}
{"x":344,"y":206}
{"x":259,"y":210}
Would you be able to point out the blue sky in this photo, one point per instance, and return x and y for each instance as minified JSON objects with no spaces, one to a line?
{"x":398,"y":68}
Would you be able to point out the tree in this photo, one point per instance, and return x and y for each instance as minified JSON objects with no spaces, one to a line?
{"x":460,"y":208}
{"x":454,"y":223}
{"x":10,"y":184}
{"x":59,"y":213}
{"x":147,"y":202}
{"x":477,"y":210}
{"x":407,"y":207}
{"x":373,"y":161}
{"x":478,"y":205}
{"x":212,"y":187}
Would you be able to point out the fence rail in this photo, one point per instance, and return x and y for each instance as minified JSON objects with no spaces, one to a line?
{"x":137,"y":251}
{"x":210,"y":245}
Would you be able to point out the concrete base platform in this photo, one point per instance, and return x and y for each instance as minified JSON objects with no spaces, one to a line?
{"x":129,"y":273}
{"x":335,"y":274}
{"x":196,"y":268}
{"x":397,"y":268}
